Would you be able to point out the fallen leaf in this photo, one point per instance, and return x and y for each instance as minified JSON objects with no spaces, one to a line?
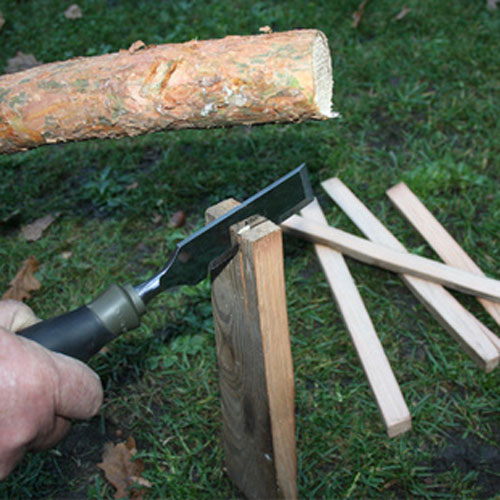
{"x":358,"y":15}
{"x":265,"y":29}
{"x":491,"y":4}
{"x":34,"y":231}
{"x":20,"y":62}
{"x":73,"y":12}
{"x":178,"y":219}
{"x":2,"y":20}
{"x":24,"y":281}
{"x":405,"y":10}
{"x":123,"y":472}
{"x":137,"y":45}
{"x":134,"y":185}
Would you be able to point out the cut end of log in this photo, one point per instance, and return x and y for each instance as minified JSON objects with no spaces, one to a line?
{"x":322,"y":72}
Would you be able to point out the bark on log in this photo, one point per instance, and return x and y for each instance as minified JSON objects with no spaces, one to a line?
{"x":278,"y":77}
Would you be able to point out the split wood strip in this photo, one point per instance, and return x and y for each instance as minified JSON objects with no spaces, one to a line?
{"x":267,"y":78}
{"x":439,"y":239}
{"x":390,"y":401}
{"x":255,"y":361}
{"x":463,"y":326}
{"x":393,"y":260}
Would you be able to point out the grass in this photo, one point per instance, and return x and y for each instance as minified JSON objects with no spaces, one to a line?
{"x":419,"y":103}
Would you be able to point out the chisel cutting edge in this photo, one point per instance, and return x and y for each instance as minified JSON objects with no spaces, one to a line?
{"x":82,"y":332}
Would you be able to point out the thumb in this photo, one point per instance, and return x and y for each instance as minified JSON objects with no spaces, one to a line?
{"x":15,"y":315}
{"x":79,"y":392}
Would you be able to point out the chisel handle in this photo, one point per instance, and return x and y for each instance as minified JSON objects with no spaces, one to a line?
{"x":82,"y":332}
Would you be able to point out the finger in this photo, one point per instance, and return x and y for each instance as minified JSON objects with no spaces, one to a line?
{"x":60,"y":428}
{"x":79,"y":391}
{"x":15,"y":315}
{"x":9,"y":460}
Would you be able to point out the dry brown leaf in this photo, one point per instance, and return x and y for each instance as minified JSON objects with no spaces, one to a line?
{"x":34,"y":231}
{"x":73,"y":12}
{"x":2,"y":20}
{"x":20,"y":62}
{"x":24,"y":281}
{"x":358,"y":15}
{"x":405,"y":10}
{"x":121,"y":471}
{"x":178,"y":219}
{"x":134,"y":185}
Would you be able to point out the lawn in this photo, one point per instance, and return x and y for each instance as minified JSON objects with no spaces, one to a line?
{"x":419,"y":99}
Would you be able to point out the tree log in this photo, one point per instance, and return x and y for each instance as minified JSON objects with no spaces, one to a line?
{"x":278,"y":77}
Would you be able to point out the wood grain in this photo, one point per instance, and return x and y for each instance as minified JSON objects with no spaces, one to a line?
{"x":255,"y":362}
{"x":393,"y":260}
{"x":268,"y":78}
{"x":378,"y":371}
{"x":440,"y":240}
{"x":465,"y":328}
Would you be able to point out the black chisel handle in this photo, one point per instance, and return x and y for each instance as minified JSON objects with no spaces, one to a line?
{"x":82,"y":332}
{"x":79,"y":333}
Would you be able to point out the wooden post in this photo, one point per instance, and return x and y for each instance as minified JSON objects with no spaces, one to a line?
{"x":255,"y":361}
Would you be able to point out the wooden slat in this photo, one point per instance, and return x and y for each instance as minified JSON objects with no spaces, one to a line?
{"x":393,"y":260}
{"x":255,"y":361}
{"x":390,"y":401}
{"x":439,"y":239}
{"x":464,"y":327}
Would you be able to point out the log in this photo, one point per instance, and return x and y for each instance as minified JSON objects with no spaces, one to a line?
{"x":440,"y":240}
{"x":267,"y":78}
{"x":255,"y":361}
{"x":393,"y":260}
{"x":378,"y":371}
{"x":464,"y":327}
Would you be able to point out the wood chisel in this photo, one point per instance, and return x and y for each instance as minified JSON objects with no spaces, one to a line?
{"x":82,"y":332}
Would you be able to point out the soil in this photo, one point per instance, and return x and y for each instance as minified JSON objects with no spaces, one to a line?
{"x":470,"y":454}
{"x":80,"y":453}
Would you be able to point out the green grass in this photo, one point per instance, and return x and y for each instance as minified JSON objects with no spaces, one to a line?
{"x":419,"y":103}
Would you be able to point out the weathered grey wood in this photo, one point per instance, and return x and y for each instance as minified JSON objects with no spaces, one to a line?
{"x":464,"y":327}
{"x":378,"y":371}
{"x":255,"y":361}
{"x":441,"y":241}
{"x":393,"y":260}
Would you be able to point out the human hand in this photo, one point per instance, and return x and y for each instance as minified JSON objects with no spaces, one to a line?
{"x":40,"y":390}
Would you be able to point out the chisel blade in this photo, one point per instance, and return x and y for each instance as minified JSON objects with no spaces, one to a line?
{"x":190,"y":261}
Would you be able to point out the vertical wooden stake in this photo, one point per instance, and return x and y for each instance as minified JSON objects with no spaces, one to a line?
{"x":255,"y":361}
